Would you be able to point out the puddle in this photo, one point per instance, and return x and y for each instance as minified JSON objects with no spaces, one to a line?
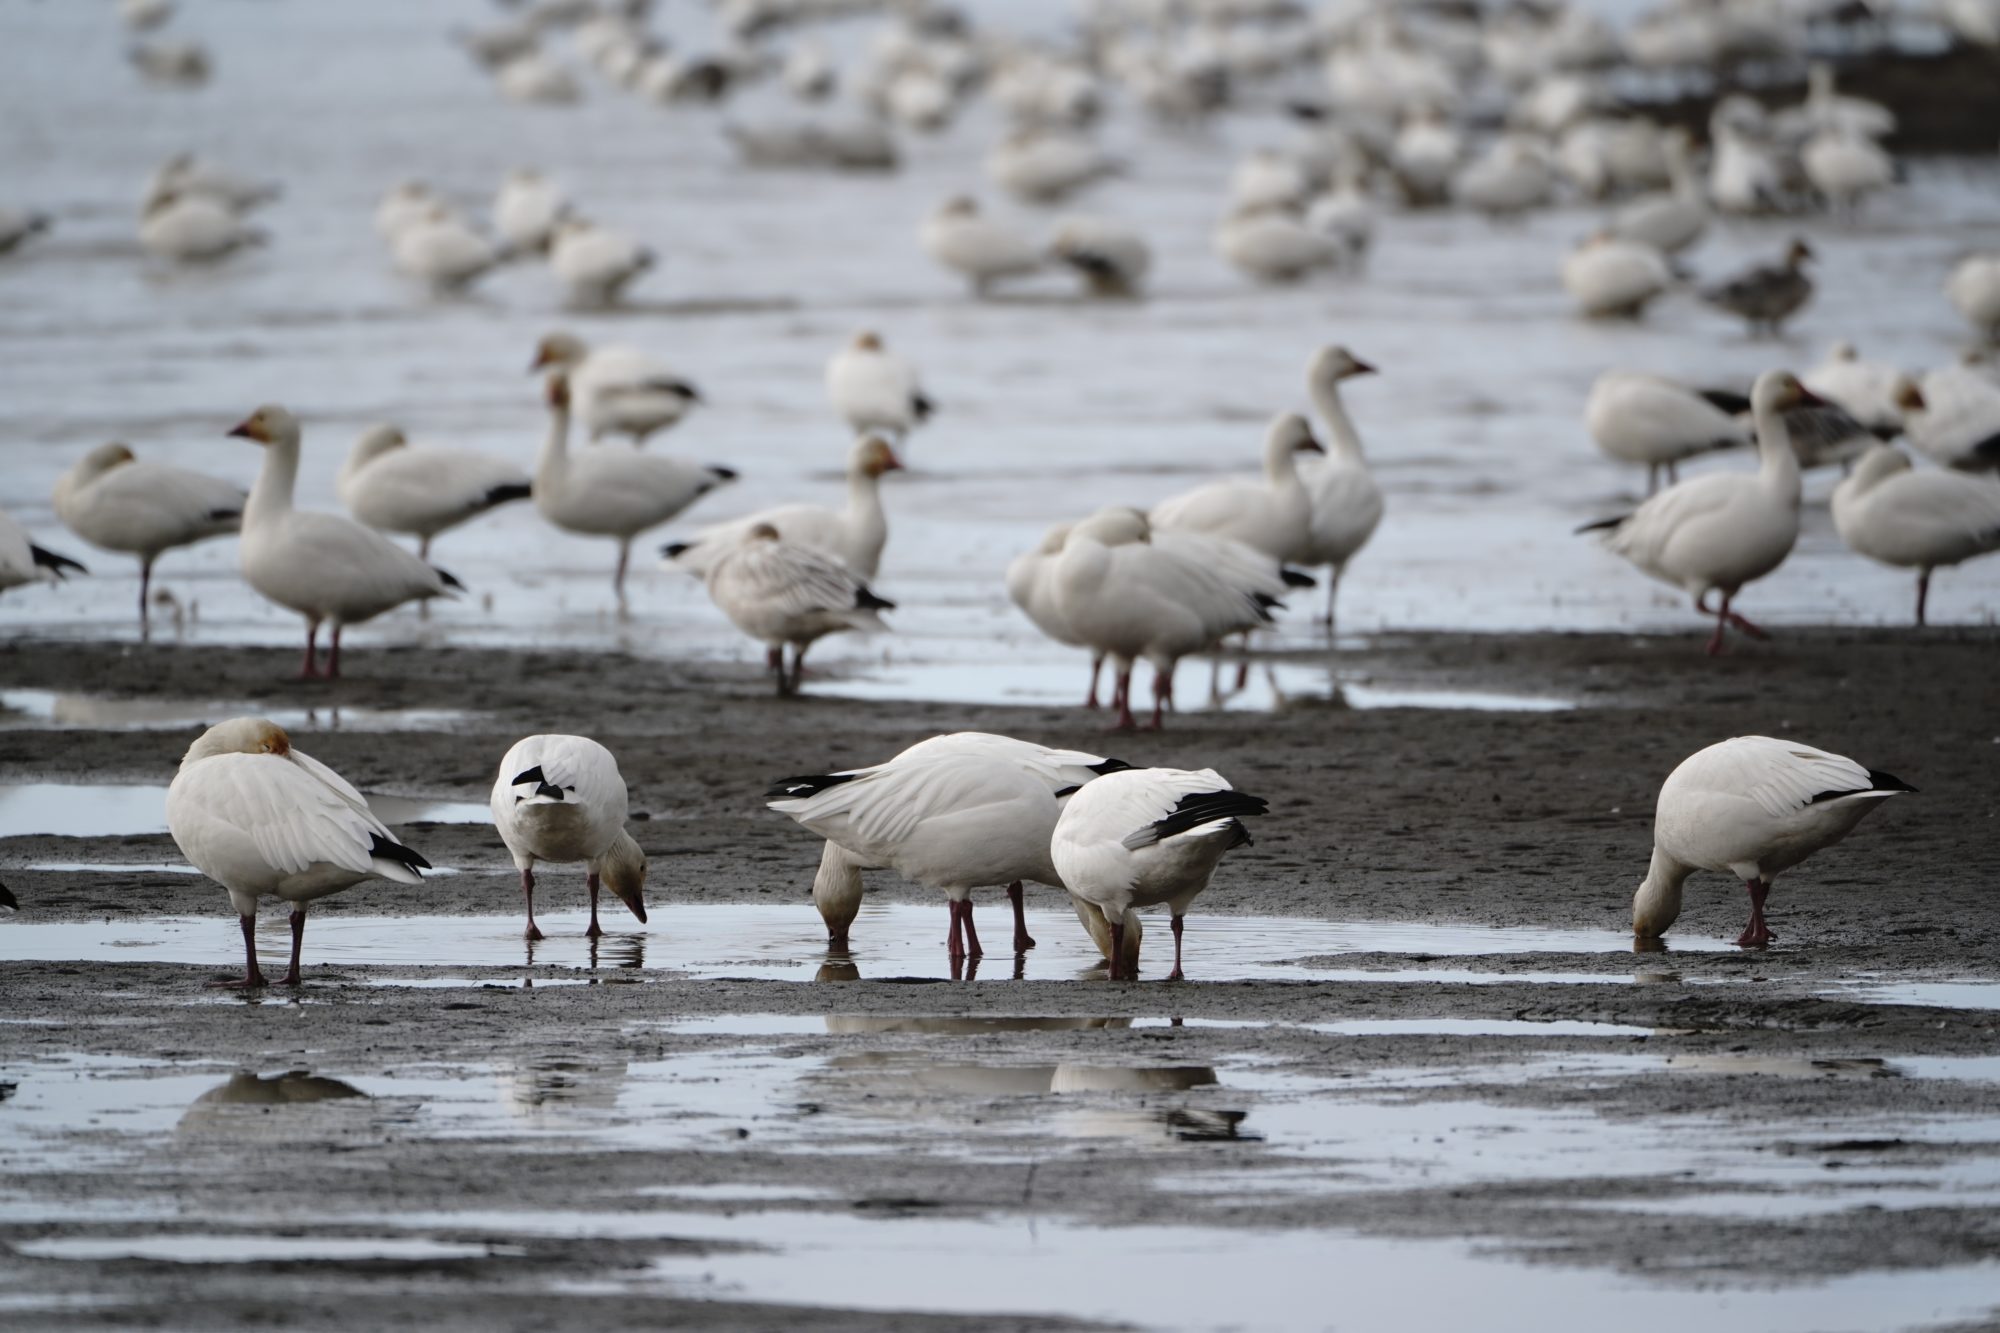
{"x":44,"y":709}
{"x":212,"y":1248}
{"x":1782,"y":1066}
{"x":114,"y":867}
{"x":758,"y":1025}
{"x":107,"y":810}
{"x":1930,"y":994}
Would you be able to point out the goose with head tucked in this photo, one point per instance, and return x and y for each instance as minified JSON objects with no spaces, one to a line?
{"x":787,"y":595}
{"x":1640,"y":418}
{"x":263,"y":820}
{"x":1957,"y":420}
{"x":984,"y":250}
{"x":595,"y":264}
{"x":329,"y":569}
{"x":193,"y":229}
{"x":1751,"y":807}
{"x":874,"y":390}
{"x":1974,"y":292}
{"x":618,"y":389}
{"x":1674,"y":219}
{"x":527,"y":210}
{"x":1272,"y":515}
{"x":1921,"y":519}
{"x":117,"y":502}
{"x":561,"y":799}
{"x":441,"y":250}
{"x":1609,"y":278}
{"x":423,"y":492}
{"x":854,"y":536}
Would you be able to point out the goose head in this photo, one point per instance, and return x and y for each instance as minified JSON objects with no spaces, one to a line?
{"x":240,"y":735}
{"x":1779,"y":391}
{"x":1289,"y":435}
{"x":867,"y":340}
{"x":1908,"y":397}
{"x":623,"y":871}
{"x":268,"y":425}
{"x":376,"y":441}
{"x":1331,"y":365}
{"x":1797,"y":253}
{"x":873,"y":456}
{"x":1115,"y":525}
{"x":557,"y":391}
{"x":102,"y":459}
{"x":565,"y":351}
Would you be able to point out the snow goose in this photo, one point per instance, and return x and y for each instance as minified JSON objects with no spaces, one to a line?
{"x":1276,"y":246}
{"x":608,"y":490}
{"x":561,"y":799}
{"x":1744,"y":175}
{"x":956,"y":813}
{"x":1974,"y":292}
{"x":959,"y":237}
{"x":1513,"y":177}
{"x":439,"y":249}
{"x":194,"y":228}
{"x":809,"y":73}
{"x":1146,"y":836}
{"x":1957,"y":422}
{"x":18,"y":225}
{"x":1347,"y":214}
{"x":1346,"y":503}
{"x":1751,"y":807}
{"x":323,"y":566}
{"x":1046,"y":166}
{"x":1031,"y":586}
{"x":171,"y":64}
{"x":144,"y":15}
{"x":263,"y":820}
{"x":423,"y":492}
{"x":1268,"y":179}
{"x":1718,"y":532}
{"x":1425,"y":157}
{"x":185,"y":174}
{"x":1112,"y":258}
{"x":117,"y":503}
{"x":1874,"y":393}
{"x":1846,"y":166}
{"x":533,"y":78}
{"x":1639,"y":418}
{"x":1825,"y":109}
{"x":1672,"y":221}
{"x":22,"y":562}
{"x":875,"y":390}
{"x":1921,"y":520}
{"x":527,"y":209}
{"x":854,"y":536}
{"x":1610,"y":278}
{"x":1272,"y":515}
{"x":781,"y":593}
{"x":620,"y":390}
{"x":837,"y":887}
{"x":1766,"y":295}
{"x":406,"y":203}
{"x":594,"y":263}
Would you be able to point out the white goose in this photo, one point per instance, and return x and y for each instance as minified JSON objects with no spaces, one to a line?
{"x":561,"y":799}
{"x":1031,"y":586}
{"x":423,"y":492}
{"x":1671,"y":221}
{"x":193,"y":228}
{"x":22,"y":562}
{"x":1276,"y":245}
{"x":117,"y":503}
{"x":186,"y":174}
{"x":1273,"y":515}
{"x":1846,"y":166}
{"x":438,"y":249}
{"x":1922,"y":520}
{"x":1112,"y":258}
{"x":323,"y":566}
{"x":608,"y":490}
{"x":1639,"y":418}
{"x":1346,"y":502}
{"x":1044,"y":166}
{"x":406,"y":203}
{"x":1751,"y":807}
{"x":1958,"y":421}
{"x":261,"y":819}
{"x":959,"y":237}
{"x":781,"y":594}
{"x":595,"y":264}
{"x":874,"y":390}
{"x":854,"y":536}
{"x":1974,"y":292}
{"x":1146,"y":836}
{"x":1718,"y":532}
{"x":527,"y":209}
{"x":619,"y":389}
{"x":1612,"y":278}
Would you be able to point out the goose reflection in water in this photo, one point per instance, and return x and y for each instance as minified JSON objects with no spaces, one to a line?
{"x":225,"y":1104}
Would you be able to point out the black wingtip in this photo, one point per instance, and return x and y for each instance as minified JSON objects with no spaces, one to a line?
{"x":812,"y":784}
{"x":534,"y":775}
{"x":923,"y":406}
{"x":1728,"y":400}
{"x":54,"y":563}
{"x":721,"y":473}
{"x":1103,"y":766}
{"x":509,"y":491}
{"x":380,"y":846}
{"x":683,"y":389}
{"x":448,"y":579}
{"x":224,"y":515}
{"x":672,"y":550}
{"x":1206,"y":807}
{"x":1070,"y":790}
{"x":8,"y":900}
{"x":1601,"y":524}
{"x":1880,"y":781}
{"x":865,"y":600}
{"x":1297,"y":578}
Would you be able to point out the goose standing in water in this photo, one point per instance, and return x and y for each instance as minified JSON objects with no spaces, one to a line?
{"x":1346,"y":503}
{"x":439,"y":249}
{"x":1146,"y":836}
{"x":783,"y":594}
{"x":1272,"y":515}
{"x":1718,"y":532}
{"x":561,"y":799}
{"x":22,"y":562}
{"x":1610,"y":278}
{"x":1639,"y":418}
{"x":423,"y":492}
{"x":323,"y":566}
{"x":1275,"y":245}
{"x":117,"y":503}
{"x":609,"y":490}
{"x":618,"y":389}
{"x":1751,"y":807}
{"x":263,"y":820}
{"x":874,"y":390}
{"x":854,"y":536}
{"x":1766,"y":295}
{"x":1921,"y":520}
{"x":959,"y":237}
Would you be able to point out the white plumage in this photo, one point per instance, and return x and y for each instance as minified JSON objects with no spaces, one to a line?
{"x":1147,"y":836}
{"x":263,"y":820}
{"x":1640,"y":418}
{"x":1275,"y":245}
{"x":784,"y":594}
{"x":527,"y":209}
{"x":1974,"y":292}
{"x":1751,"y":807}
{"x":191,"y":228}
{"x":1670,"y":221}
{"x":1845,"y":166}
{"x":1047,"y":165}
{"x":1273,"y":515}
{"x":22,"y":562}
{"x":1112,"y":258}
{"x":1346,"y":504}
{"x":1874,"y":393}
{"x":440,"y":250}
{"x":1608,"y":277}
{"x":874,"y":390}
{"x":595,"y":264}
{"x":422,"y":492}
{"x":618,"y":389}
{"x":561,"y":799}
{"x":1958,"y":423}
{"x":118,"y":503}
{"x":959,"y":237}
{"x":1921,"y":520}
{"x":854,"y":536}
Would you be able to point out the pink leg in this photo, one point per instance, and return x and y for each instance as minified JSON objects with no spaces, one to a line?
{"x":591,"y":881}
{"x":955,"y":942}
{"x":310,"y":671}
{"x":1923,"y":593}
{"x":145,"y":587}
{"x":298,"y":940}
{"x":333,"y":656}
{"x":972,"y":949}
{"x":528,"y":892}
{"x":618,"y":575}
{"x":1758,"y":933}
{"x":1175,"y":975}
{"x":1126,"y":722}
{"x":1023,"y":941}
{"x":253,"y":976}
{"x":1160,"y":691}
{"x":1096,"y":665}
{"x":1754,"y":631}
{"x":1715,"y":639}
{"x":1117,"y":947}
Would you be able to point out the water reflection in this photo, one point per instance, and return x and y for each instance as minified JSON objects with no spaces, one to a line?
{"x":969,"y":1025}
{"x":543,"y":1089}
{"x":244,"y":1101}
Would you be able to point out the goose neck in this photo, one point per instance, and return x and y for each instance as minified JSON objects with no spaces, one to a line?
{"x":552,"y":464}
{"x":1346,"y":440}
{"x":271,"y":496}
{"x":1657,"y":904}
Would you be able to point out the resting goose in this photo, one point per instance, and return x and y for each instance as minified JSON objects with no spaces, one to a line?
{"x":1272,"y":515}
{"x":561,"y":799}
{"x":959,"y":237}
{"x":1766,"y":295}
{"x":1513,"y":177}
{"x":185,"y":174}
{"x":1639,"y":418}
{"x":1346,"y":504}
{"x":609,"y":490}
{"x":1974,"y":292}
{"x":1268,"y":179}
{"x":1957,"y":422}
{"x":527,"y":209}
{"x":1751,"y":807}
{"x":1718,"y":532}
{"x":1846,"y":166}
{"x":1744,"y":176}
{"x":620,"y":390}
{"x":1146,"y":836}
{"x":423,"y":492}
{"x":22,"y":562}
{"x":193,"y":228}
{"x":782,"y":594}
{"x":1347,"y":214}
{"x":874,"y":390}
{"x":854,"y":536}
{"x":406,"y":203}
{"x":1921,"y":520}
{"x":595,"y":264}
{"x":1612,"y":278}
{"x":117,"y":503}
{"x":1111,"y":258}
{"x":533,"y":78}
{"x":1046,"y":166}
{"x":438,"y":249}
{"x":261,"y":819}
{"x":325,"y":567}
{"x":1672,"y":221}
{"x":1425,"y":156}
{"x":1276,"y":245}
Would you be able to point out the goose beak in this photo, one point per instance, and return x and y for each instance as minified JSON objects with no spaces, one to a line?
{"x":633,"y":896}
{"x":1363,"y":368}
{"x":249,"y":430}
{"x":1807,"y":398}
{"x":1311,"y":446}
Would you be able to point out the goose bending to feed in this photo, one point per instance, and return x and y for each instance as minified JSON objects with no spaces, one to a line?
{"x":619,"y":389}
{"x":874,"y":390}
{"x":22,"y":562}
{"x":1922,"y":520}
{"x":1973,"y":290}
{"x":423,"y":492}
{"x":1272,"y":515}
{"x":117,"y":503}
{"x":1639,"y":418}
{"x":1766,"y":295}
{"x":608,"y":490}
{"x":263,"y":820}
{"x":1112,"y":258}
{"x":1146,"y":836}
{"x":595,"y":264}
{"x":1346,"y":502}
{"x":1751,"y":807}
{"x":193,"y":229}
{"x":1718,"y":532}
{"x":327,"y":568}
{"x":783,"y":594}
{"x":1612,"y":278}
{"x":854,"y":536}
{"x":959,"y":237}
{"x":561,"y":799}
{"x":1957,"y":422}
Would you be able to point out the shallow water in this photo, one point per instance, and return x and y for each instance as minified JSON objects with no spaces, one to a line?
{"x":114,"y":810}
{"x":50,"y":708}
